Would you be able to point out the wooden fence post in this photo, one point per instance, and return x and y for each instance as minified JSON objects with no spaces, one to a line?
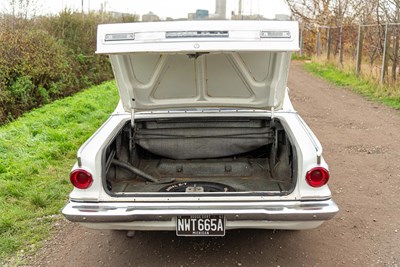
{"x":301,"y":41}
{"x":341,"y":47}
{"x":385,"y":55}
{"x":319,"y":42}
{"x":359,"y":49}
{"x":328,"y":48}
{"x":396,"y":46}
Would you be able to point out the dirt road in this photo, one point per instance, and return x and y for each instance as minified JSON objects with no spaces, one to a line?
{"x":361,"y":142}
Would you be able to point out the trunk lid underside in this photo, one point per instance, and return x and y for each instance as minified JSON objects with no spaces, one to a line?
{"x":254,"y":80}
{"x":200,"y":64}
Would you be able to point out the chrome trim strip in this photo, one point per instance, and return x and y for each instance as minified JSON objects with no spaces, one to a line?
{"x":212,"y":111}
{"x":269,"y":211}
{"x":318,"y":147}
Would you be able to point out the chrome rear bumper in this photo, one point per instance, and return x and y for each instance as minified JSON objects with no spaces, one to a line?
{"x":282,"y":211}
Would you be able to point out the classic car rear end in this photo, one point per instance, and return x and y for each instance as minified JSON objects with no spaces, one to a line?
{"x":205,"y":138}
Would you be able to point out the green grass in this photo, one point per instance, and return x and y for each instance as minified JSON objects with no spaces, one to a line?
{"x":37,"y":152}
{"x":389,"y":96}
{"x":296,"y":56}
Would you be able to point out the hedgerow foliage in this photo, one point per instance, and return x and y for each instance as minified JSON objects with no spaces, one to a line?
{"x":47,"y":58}
{"x":34,"y":68}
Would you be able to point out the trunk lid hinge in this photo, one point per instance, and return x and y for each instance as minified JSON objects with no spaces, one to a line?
{"x":132,"y":118}
{"x":133,"y":105}
{"x":131,"y":132}
{"x":272,"y":117}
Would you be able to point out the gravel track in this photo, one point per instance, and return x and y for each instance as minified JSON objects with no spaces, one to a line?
{"x":361,"y":145}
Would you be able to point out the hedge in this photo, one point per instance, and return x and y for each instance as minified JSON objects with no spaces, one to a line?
{"x":47,"y":58}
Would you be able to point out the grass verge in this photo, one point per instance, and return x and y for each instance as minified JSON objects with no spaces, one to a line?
{"x":388,"y":95}
{"x":37,"y":152}
{"x":296,"y":56}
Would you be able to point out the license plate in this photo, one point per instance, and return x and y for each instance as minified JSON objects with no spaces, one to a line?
{"x":200,"y":225}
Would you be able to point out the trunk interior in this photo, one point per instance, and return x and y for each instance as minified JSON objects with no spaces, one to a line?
{"x":200,"y":155}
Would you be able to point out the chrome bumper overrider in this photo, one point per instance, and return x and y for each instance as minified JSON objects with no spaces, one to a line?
{"x":234,"y":211}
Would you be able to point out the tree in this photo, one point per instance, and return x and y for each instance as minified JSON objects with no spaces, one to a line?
{"x":22,"y":9}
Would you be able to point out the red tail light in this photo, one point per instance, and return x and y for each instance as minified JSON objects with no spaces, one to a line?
{"x":317,"y":177}
{"x":81,"y":179}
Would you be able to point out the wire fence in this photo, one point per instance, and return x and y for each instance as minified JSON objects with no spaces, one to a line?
{"x":369,"y":50}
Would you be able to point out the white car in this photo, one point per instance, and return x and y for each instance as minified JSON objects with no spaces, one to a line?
{"x":205,"y":138}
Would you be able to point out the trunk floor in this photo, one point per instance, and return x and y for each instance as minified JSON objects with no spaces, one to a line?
{"x":244,"y":175}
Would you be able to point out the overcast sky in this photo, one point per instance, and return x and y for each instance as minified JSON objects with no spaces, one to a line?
{"x":163,"y":8}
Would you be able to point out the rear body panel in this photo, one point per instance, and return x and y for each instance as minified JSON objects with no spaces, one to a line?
{"x":199,"y":72}
{"x":91,"y":154}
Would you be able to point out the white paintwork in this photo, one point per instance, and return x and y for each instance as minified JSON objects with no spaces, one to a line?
{"x":150,"y":37}
{"x":242,"y":70}
{"x":242,"y":76}
{"x":90,"y":154}
{"x":163,"y":81}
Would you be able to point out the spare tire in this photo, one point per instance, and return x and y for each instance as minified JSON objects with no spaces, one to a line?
{"x":206,"y":186}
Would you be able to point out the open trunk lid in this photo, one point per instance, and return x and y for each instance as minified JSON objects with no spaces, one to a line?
{"x":200,"y":64}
